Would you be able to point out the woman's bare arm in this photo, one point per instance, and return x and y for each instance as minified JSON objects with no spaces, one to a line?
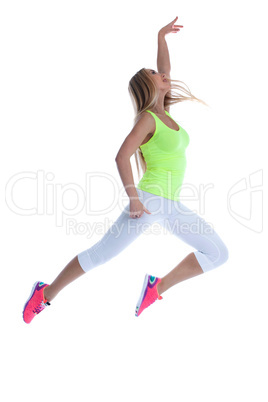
{"x":142,"y":128}
{"x":163,"y":59}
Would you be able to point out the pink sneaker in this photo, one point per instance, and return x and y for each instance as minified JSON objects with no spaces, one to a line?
{"x":149,"y":293}
{"x":36,"y":302}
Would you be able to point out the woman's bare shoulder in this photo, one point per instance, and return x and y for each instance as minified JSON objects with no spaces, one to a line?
{"x":144,"y":113}
{"x":147,"y":120}
{"x":145,"y":116}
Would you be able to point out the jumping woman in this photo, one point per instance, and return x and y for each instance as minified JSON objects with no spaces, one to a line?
{"x":159,"y":144}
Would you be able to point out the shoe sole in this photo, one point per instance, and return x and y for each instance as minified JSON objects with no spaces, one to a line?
{"x":25,"y":305}
{"x":142,"y":294}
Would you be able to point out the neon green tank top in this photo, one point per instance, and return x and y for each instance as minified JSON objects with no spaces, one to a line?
{"x":165,"y":158}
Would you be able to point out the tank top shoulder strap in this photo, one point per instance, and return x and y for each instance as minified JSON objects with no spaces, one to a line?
{"x":157,"y":119}
{"x":154,"y":116}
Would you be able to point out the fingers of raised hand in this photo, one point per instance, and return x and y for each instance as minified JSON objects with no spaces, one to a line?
{"x":175,"y":28}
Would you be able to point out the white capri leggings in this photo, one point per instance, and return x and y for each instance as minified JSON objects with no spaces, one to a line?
{"x":173,"y":216}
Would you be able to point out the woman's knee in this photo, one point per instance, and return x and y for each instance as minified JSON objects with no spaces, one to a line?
{"x":222,"y":254}
{"x":93,"y":256}
{"x":216,"y":252}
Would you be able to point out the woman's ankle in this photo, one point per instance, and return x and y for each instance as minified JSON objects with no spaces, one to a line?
{"x":47,"y":294}
{"x":159,"y":288}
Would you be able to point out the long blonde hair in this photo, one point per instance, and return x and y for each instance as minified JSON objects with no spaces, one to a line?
{"x":143,"y":93}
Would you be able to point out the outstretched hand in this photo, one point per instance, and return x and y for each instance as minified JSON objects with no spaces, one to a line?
{"x":170,"y":28}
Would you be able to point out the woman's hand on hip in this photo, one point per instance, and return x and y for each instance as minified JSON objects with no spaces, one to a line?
{"x":170,"y":28}
{"x":137,"y":209}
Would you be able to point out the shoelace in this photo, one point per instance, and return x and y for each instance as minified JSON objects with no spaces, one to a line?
{"x":41,"y":307}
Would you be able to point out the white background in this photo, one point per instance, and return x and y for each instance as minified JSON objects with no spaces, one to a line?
{"x":65,"y":111}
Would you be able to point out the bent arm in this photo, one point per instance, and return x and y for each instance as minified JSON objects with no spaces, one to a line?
{"x":126,"y":175}
{"x":144,"y":126}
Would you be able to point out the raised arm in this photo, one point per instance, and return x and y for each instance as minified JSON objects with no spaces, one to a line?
{"x":163,"y":60}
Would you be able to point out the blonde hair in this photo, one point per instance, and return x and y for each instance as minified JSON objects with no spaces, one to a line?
{"x":143,"y":93}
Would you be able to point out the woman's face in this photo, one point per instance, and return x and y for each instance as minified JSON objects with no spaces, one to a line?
{"x":159,"y":79}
